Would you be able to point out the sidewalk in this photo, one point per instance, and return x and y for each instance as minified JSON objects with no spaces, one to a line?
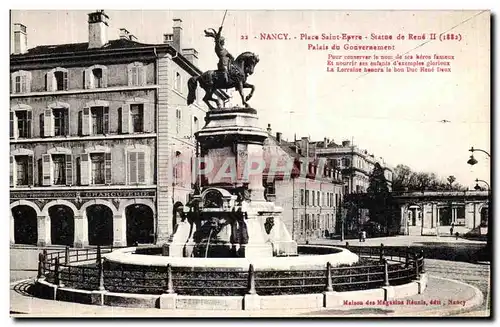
{"x":464,"y":297}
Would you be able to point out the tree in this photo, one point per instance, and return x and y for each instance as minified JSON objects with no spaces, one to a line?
{"x":379,"y":199}
{"x":450,"y":180}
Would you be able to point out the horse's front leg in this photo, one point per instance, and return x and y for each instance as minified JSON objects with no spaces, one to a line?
{"x":240,"y":90}
{"x":249,"y":86}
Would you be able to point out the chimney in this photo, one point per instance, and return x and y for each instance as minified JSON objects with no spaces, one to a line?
{"x":177,"y":39}
{"x":168,"y":38}
{"x":191,"y":55}
{"x":325,"y":142}
{"x":124,"y":34}
{"x":269,"y":130}
{"x":346,"y":143}
{"x":278,"y":137}
{"x":20,"y":39}
{"x":98,"y":29}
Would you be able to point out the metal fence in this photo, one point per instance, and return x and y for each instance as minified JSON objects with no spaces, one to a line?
{"x":86,"y":269}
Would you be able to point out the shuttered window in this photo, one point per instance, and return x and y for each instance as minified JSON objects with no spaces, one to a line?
{"x":136,"y":74}
{"x":138,"y":163}
{"x":21,"y":82}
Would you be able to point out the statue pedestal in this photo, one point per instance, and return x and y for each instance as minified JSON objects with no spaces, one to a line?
{"x":233,"y":218}
{"x":231,"y":145}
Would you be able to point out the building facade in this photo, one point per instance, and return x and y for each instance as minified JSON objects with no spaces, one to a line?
{"x":356,"y":164}
{"x":95,"y":128}
{"x":310,"y":193}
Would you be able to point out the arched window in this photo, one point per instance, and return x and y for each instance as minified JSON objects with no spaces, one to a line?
{"x":96,"y":77}
{"x":21,"y":82}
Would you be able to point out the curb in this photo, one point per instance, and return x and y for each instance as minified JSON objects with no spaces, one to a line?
{"x":474,"y":302}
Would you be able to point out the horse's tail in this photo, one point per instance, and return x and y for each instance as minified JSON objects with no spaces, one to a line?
{"x":192,"y":85}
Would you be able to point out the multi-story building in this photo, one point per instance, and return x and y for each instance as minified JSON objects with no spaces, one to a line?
{"x":95,"y":128}
{"x":356,"y":164}
{"x":310,"y":193}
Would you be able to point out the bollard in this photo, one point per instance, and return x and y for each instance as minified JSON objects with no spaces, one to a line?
{"x":407,"y":257}
{"x":56,"y":272}
{"x":329,"y":287}
{"x":40,"y":265}
{"x":44,"y":260}
{"x":170,"y":282}
{"x":417,"y":274}
{"x":66,"y":255}
{"x":100,"y":273}
{"x":347,"y":245}
{"x":381,"y":252}
{"x":422,"y":270}
{"x":386,"y":272}
{"x":98,"y":257}
{"x":251,"y":280}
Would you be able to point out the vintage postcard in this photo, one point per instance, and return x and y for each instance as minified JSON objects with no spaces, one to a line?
{"x":250,"y":163}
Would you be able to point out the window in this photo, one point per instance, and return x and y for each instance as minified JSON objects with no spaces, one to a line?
{"x":196,"y":125}
{"x":137,"y":167}
{"x":336,"y":199}
{"x":137,"y":117}
{"x":178,"y":119}
{"x":177,"y":82}
{"x":313,"y":198}
{"x":20,"y":123}
{"x":57,"y":168}
{"x":136,"y":74}
{"x":56,"y":79}
{"x":21,"y":82}
{"x":95,"y":167}
{"x":95,"y":118}
{"x":96,"y":77}
{"x":307,"y":197}
{"x":301,"y":197}
{"x":61,"y":80}
{"x":55,"y":121}
{"x":317,"y":198}
{"x":21,"y":170}
{"x":346,"y":162}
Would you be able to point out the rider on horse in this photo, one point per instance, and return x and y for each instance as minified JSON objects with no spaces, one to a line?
{"x":225,"y":58}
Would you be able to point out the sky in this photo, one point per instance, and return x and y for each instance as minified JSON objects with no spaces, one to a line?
{"x":396,"y":116}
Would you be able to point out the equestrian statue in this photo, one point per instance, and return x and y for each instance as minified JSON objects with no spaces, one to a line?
{"x":230,"y":73}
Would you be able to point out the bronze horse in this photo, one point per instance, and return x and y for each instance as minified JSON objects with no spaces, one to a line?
{"x":212,"y":80}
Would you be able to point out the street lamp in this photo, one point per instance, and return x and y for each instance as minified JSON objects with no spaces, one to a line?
{"x":477,"y":187}
{"x":472,"y":161}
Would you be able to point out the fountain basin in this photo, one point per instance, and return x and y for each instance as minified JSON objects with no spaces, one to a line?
{"x":336,"y":257}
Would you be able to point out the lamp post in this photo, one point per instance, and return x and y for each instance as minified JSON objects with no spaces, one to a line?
{"x":472,"y":161}
{"x":477,"y":187}
{"x":488,"y":239}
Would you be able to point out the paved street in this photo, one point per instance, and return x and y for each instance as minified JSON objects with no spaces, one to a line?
{"x":23,"y":263}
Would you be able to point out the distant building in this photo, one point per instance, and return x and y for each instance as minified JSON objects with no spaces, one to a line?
{"x":311,"y":199}
{"x":94,"y":129}
{"x":356,"y":164}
